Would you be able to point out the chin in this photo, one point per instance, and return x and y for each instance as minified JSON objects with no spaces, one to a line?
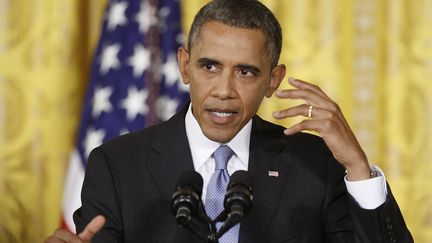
{"x":219,"y":136}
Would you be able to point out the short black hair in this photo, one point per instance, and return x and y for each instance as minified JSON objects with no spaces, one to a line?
{"x":247,"y":14}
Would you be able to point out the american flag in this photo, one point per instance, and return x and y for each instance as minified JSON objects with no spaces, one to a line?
{"x":134,"y":82}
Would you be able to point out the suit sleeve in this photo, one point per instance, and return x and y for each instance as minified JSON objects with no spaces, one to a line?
{"x":336,"y":218}
{"x":384,"y":224}
{"x":99,"y":197}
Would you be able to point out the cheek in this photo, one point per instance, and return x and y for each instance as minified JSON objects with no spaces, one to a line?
{"x":198,"y":89}
{"x":252,"y":97}
{"x":255,"y":103}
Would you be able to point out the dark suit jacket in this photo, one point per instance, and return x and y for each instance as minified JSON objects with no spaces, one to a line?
{"x":130,"y":181}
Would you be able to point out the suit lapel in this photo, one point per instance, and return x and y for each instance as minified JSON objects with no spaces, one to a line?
{"x":269,"y":172}
{"x":172,"y":155}
{"x":170,"y":159}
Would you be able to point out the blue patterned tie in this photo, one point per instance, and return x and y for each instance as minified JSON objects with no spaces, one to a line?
{"x":216,"y":191}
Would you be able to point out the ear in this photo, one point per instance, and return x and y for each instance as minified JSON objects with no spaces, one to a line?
{"x":277,"y":75}
{"x":183,"y":62}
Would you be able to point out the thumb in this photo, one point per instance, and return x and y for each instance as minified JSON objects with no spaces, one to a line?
{"x":92,"y":228}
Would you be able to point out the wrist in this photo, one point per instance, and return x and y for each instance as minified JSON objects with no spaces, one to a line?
{"x":360,"y":173}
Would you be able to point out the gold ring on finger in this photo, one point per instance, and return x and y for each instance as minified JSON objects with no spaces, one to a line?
{"x":310,"y":111}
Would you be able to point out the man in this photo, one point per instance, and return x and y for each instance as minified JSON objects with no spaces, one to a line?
{"x":299,"y":180}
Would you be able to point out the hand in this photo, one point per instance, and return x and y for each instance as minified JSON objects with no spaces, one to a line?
{"x":328,"y":120}
{"x":85,"y":236}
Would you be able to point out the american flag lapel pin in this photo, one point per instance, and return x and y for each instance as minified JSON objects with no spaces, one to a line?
{"x":273,"y":173}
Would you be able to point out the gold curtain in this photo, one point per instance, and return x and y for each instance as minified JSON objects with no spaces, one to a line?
{"x":374,"y":57}
{"x":45,"y":51}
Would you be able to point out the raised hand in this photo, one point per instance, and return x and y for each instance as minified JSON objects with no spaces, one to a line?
{"x":324,"y":116}
{"x":85,"y":236}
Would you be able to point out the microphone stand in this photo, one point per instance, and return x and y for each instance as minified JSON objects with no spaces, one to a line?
{"x":202,"y":217}
{"x":212,"y":237}
{"x":228,"y":219}
{"x":237,"y":204}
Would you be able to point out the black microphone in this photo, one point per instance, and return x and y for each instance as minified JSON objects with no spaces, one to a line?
{"x":238,"y":200}
{"x":186,"y":200}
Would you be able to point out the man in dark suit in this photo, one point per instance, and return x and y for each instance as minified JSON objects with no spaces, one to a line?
{"x":306,"y":188}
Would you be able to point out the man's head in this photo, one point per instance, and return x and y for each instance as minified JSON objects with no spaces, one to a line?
{"x":246,"y":14}
{"x":229,"y":67}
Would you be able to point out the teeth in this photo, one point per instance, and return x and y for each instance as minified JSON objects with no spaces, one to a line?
{"x":222,"y":114}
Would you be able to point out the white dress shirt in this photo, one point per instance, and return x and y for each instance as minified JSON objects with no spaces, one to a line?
{"x":369,"y":194}
{"x":202,"y":149}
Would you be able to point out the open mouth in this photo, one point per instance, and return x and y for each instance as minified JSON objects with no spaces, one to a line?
{"x":222,"y":114}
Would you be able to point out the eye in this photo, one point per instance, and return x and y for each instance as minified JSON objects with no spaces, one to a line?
{"x":246,"y":72}
{"x":209,"y":67}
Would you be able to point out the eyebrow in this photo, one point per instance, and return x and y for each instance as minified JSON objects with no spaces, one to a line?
{"x":249,"y":67}
{"x":209,"y":61}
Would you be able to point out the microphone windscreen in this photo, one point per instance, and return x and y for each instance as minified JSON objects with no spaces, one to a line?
{"x":241,"y":177}
{"x":192,"y":179}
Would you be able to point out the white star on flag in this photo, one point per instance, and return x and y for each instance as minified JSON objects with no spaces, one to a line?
{"x":140,"y":60}
{"x":163,"y":13}
{"x":117,"y":15}
{"x":146,"y":17}
{"x":166,"y":107}
{"x":135,"y":103}
{"x":93,"y":139}
{"x":170,"y":70}
{"x":109,"y":58}
{"x":101,"y":102}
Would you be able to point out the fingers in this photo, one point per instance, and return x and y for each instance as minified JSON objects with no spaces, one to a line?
{"x":322,"y":121}
{"x":92,"y":228}
{"x":319,"y":108}
{"x":326,"y":118}
{"x":303,"y":110}
{"x":310,"y":97}
{"x":323,"y":107}
{"x":312,"y":125}
{"x":300,"y":110}
{"x":62,"y":235}
{"x":307,"y":86}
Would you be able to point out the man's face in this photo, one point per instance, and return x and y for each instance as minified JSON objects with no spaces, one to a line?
{"x":229,"y":73}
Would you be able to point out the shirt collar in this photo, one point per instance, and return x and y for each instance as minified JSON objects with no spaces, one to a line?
{"x":202,"y":147}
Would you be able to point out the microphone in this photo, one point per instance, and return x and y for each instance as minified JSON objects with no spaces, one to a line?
{"x":186,"y":200}
{"x":238,"y":200}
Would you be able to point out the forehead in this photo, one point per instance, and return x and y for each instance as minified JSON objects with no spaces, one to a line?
{"x":216,"y":38}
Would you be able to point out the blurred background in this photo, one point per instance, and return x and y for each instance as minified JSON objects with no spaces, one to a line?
{"x":374,"y":57}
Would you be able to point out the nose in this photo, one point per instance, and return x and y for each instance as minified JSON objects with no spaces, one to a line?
{"x":224,"y":86}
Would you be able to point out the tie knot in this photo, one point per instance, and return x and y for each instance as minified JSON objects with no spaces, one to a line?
{"x":222,"y":155}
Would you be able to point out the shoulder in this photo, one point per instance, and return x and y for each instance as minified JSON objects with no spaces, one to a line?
{"x":133,"y":139}
{"x":149,"y":138}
